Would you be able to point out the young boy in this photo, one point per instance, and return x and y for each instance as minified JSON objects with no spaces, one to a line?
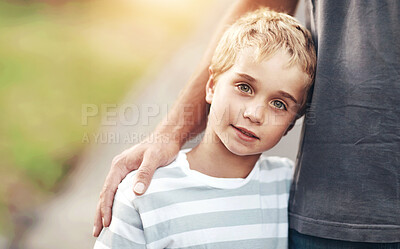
{"x":222,"y":194}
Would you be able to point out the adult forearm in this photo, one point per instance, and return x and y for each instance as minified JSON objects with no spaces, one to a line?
{"x":188,"y":115}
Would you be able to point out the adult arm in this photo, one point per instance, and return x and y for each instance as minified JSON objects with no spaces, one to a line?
{"x":170,"y":135}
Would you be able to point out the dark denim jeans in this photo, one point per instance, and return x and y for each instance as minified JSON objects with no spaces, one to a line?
{"x":302,"y":241}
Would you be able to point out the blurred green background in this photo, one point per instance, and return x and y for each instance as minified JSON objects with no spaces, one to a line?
{"x":56,"y":56}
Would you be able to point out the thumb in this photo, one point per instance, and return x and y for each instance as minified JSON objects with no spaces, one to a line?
{"x":144,"y":174}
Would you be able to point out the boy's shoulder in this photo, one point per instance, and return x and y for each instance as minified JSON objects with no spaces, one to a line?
{"x":275,"y":162}
{"x":275,"y":167}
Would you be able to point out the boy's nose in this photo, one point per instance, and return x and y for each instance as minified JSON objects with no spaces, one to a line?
{"x":255,"y":113}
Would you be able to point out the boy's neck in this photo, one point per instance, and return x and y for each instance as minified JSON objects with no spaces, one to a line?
{"x":212,"y":158}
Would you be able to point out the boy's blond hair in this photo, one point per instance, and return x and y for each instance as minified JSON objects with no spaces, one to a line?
{"x":268,"y":32}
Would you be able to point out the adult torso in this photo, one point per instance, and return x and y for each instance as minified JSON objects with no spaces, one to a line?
{"x":347,"y":179}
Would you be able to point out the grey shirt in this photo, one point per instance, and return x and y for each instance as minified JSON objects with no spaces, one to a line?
{"x":347,"y":179}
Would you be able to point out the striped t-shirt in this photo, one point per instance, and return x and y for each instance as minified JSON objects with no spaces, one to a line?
{"x":184,"y":208}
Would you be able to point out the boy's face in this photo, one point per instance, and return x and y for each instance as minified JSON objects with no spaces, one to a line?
{"x":254,"y":103}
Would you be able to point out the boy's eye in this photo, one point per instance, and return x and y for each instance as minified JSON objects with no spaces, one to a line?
{"x":244,"y":88}
{"x":278,"y":104}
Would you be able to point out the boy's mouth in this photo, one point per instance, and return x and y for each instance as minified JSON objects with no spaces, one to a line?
{"x":246,"y":132}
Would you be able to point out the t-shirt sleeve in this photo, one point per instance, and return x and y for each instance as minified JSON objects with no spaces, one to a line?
{"x":126,"y":229}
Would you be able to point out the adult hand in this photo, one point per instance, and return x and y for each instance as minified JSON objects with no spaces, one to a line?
{"x":146,"y":156}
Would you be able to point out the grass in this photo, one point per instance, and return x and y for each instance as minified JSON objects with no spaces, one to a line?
{"x":53,"y":59}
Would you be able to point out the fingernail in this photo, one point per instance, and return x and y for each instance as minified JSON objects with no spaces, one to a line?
{"x":139,"y":188}
{"x":102,"y":220}
{"x":94,"y":229}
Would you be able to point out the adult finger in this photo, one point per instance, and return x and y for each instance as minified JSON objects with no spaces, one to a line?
{"x":104,"y":206}
{"x":106,"y":201}
{"x":98,"y":225}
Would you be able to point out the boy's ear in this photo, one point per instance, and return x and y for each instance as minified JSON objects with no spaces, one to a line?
{"x":210,"y":86}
